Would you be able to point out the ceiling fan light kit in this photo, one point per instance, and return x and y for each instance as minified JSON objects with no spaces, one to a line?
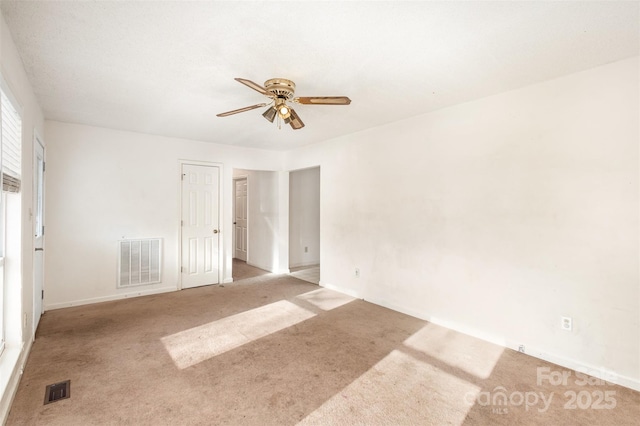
{"x":281,"y":90}
{"x":269,"y":114}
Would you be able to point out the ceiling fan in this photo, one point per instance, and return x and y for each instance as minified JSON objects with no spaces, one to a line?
{"x":281,"y":91}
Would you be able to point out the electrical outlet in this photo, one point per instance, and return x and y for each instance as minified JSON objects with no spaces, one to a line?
{"x":521,"y":348}
{"x":357,"y":273}
{"x":567,"y":323}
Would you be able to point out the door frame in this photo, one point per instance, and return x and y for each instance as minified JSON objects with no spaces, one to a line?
{"x":220,"y":216}
{"x":233,"y":213}
{"x":37,"y":140}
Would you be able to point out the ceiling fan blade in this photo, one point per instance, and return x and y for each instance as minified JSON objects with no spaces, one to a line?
{"x":236,"y":111}
{"x":254,"y":86}
{"x":323,"y":100}
{"x":294,"y":120}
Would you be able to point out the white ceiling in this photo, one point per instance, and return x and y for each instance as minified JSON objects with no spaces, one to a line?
{"x":167,"y":68}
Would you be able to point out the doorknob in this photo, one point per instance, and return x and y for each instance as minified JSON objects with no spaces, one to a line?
{"x":215,"y":231}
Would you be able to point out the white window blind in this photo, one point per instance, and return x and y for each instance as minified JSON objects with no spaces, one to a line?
{"x":11,"y":133}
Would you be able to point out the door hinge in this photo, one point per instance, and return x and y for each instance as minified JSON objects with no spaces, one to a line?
{"x":42,"y":294}
{"x":42,"y":229}
{"x":44,"y":166}
{"x":182,"y":269}
{"x":182,"y":176}
{"x":182,"y":223}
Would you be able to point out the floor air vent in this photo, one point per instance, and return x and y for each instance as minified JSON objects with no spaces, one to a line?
{"x":57,"y":391}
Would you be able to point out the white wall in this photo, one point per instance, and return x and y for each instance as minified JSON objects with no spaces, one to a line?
{"x":304,"y":217}
{"x":104,"y":185}
{"x":19,"y":285}
{"x":265,"y":229}
{"x":499,"y":216}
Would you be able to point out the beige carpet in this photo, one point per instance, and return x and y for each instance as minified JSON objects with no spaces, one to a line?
{"x":307,"y":273}
{"x":274,"y":350}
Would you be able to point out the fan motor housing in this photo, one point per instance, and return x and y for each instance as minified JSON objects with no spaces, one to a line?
{"x":280,"y":87}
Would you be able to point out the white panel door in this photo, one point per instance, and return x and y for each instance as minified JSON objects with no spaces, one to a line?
{"x":38,"y":231}
{"x":240,"y":220}
{"x":200,"y":225}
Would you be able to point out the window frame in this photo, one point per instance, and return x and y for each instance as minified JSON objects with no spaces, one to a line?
{"x":6,"y":93}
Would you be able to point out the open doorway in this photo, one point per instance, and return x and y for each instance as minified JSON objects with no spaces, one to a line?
{"x":240,"y":222}
{"x":240,"y":269}
{"x":304,"y":224}
{"x":262,"y":232}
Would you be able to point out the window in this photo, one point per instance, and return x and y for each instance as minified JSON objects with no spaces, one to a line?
{"x":11,"y":144}
{"x":10,"y":164}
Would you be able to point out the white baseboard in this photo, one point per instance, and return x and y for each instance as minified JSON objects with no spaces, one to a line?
{"x":571,"y":364}
{"x":227,"y":281}
{"x":339,"y":289}
{"x":303,"y":264}
{"x":397,"y":308}
{"x":598,"y":372}
{"x":11,"y":368}
{"x":109,"y":298}
{"x":265,"y":268}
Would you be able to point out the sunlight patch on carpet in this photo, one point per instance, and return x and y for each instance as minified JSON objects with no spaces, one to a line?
{"x":399,"y":390}
{"x":325,"y":299}
{"x":190,"y":347}
{"x":467,"y":353}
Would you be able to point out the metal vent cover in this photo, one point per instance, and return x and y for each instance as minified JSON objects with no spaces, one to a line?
{"x":139,"y":262}
{"x":57,"y":391}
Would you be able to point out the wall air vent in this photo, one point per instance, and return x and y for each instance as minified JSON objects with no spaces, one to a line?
{"x":139,"y":262}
